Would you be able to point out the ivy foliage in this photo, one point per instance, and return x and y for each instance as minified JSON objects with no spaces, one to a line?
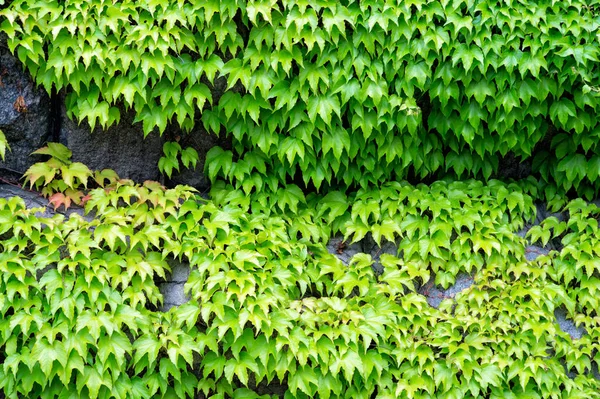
{"x":62,"y":181}
{"x":272,"y":312}
{"x":3,"y":145}
{"x":345,"y":93}
{"x":174,"y":156}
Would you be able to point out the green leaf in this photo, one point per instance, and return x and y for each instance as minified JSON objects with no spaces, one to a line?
{"x":304,"y":379}
{"x":189,"y":157}
{"x":488,"y":375}
{"x":38,"y":171}
{"x":218,"y":160}
{"x":335,"y":202}
{"x":75,"y":170}
{"x":3,"y":145}
{"x":166,"y":165}
{"x":93,"y":380}
{"x":324,"y":107}
{"x":56,"y":150}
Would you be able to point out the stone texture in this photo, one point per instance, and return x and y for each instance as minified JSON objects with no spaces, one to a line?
{"x":25,"y":114}
{"x":512,"y":167}
{"x":343,"y":250}
{"x":435,"y":295}
{"x":542,"y":213}
{"x":29,"y":118}
{"x":387,"y":247}
{"x":532,"y":252}
{"x":121,"y":147}
{"x":179,"y":272}
{"x":173,"y":295}
{"x":172,"y":288}
{"x":567,"y":325}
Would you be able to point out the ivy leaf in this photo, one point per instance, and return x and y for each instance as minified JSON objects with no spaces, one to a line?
{"x":109,"y":233}
{"x":189,"y":157}
{"x":488,"y":375}
{"x":56,"y":150}
{"x":324,"y":107}
{"x":336,"y":203}
{"x":218,"y":160}
{"x":3,"y":145}
{"x":146,"y":345}
{"x":302,"y":379}
{"x":166,"y":165}
{"x":58,"y":199}
{"x":93,"y":380}
{"x":38,"y":171}
{"x":75,"y":170}
{"x":290,"y":196}
{"x":240,"y":368}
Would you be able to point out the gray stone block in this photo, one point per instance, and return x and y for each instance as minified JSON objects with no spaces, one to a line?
{"x":567,"y":325}
{"x":121,"y":147}
{"x":179,"y":271}
{"x":173,"y":295}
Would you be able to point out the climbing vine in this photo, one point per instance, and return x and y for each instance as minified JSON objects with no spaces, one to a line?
{"x":273,"y":313}
{"x":344,"y":94}
{"x":350,"y":99}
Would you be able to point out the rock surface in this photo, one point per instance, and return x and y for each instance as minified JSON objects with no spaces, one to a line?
{"x":121,"y":147}
{"x":532,"y":252}
{"x":343,"y":250}
{"x":567,"y":325}
{"x":435,"y":295}
{"x":202,"y":142}
{"x":173,"y":288}
{"x":25,"y":113}
{"x":29,"y":119}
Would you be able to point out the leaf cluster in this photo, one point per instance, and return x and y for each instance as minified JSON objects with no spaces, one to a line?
{"x":61,"y":180}
{"x":271,"y":309}
{"x":345,"y":93}
{"x":174,"y":156}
